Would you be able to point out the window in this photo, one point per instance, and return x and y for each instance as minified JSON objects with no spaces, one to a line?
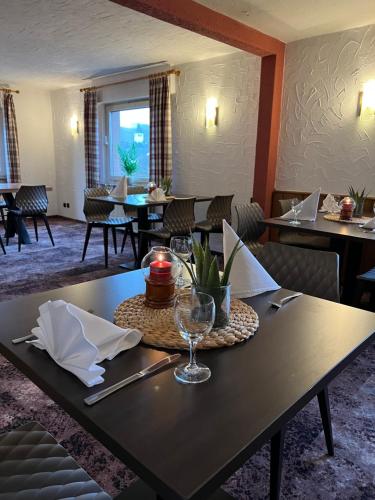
{"x":128,"y":128}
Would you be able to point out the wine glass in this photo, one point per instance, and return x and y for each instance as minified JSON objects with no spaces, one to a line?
{"x":182,"y":246}
{"x":194,"y":315}
{"x":296,"y":210}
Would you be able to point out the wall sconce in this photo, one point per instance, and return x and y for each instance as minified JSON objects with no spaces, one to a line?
{"x":366,"y":104}
{"x":212,"y":112}
{"x":74,"y":125}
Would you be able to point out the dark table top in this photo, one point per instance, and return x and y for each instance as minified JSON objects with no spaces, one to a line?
{"x":142,"y":200}
{"x":325,"y":227}
{"x":184,"y":441}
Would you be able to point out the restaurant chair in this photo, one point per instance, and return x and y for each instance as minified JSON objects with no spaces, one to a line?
{"x":220,"y":208}
{"x":3,"y":206}
{"x":31,"y":201}
{"x":34,"y":466}
{"x":300,"y":239}
{"x":178,"y":221}
{"x":314,"y":272}
{"x":98,"y":214}
{"x":366,"y":284}
{"x":250,"y":228}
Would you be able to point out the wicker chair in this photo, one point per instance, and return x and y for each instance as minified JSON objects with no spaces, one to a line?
{"x":303,"y":270}
{"x":250,"y":228}
{"x":220,"y":208}
{"x":366,"y":283}
{"x":98,"y":215}
{"x":31,"y":201}
{"x":300,"y":239}
{"x":178,"y":221}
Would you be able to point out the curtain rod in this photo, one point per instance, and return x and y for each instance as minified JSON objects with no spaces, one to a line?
{"x":3,"y":89}
{"x":154,"y":75}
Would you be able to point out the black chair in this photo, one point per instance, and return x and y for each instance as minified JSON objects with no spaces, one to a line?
{"x":220,"y":208}
{"x":250,"y":228}
{"x":98,"y":215}
{"x":33,"y":465}
{"x":366,"y":284}
{"x":178,"y":221}
{"x":30,"y":201}
{"x":314,"y":272}
{"x":3,"y":206}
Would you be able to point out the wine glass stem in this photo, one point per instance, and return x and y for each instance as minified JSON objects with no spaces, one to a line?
{"x":192,"y":360}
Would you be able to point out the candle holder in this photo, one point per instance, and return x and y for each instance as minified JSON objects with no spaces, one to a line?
{"x":347,"y":206}
{"x":160,"y":269}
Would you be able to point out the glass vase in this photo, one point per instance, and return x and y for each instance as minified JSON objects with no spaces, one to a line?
{"x":221,"y":296}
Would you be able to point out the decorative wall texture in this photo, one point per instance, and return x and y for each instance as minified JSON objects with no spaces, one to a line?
{"x":323,"y":142}
{"x":219,"y":160}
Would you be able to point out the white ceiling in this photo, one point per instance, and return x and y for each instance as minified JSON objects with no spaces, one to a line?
{"x":56,"y":43}
{"x":290,"y":20}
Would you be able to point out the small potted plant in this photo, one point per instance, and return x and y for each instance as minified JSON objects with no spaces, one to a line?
{"x":128,"y":160}
{"x":206,"y":278}
{"x":359,"y":200}
{"x":166,"y":184}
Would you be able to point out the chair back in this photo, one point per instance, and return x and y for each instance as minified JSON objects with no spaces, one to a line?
{"x":32,"y":200}
{"x":220,"y":208}
{"x":92,"y":208}
{"x":179,"y":216}
{"x":249,"y":228}
{"x":303,"y":270}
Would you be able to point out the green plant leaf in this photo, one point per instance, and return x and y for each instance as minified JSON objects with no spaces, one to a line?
{"x":207,"y":258}
{"x":213,"y":280}
{"x":198,"y":258}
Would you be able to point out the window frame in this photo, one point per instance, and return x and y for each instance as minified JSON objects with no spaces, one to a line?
{"x":108,"y":108}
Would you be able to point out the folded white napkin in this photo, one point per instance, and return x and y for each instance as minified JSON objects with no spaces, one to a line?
{"x":370,"y":224}
{"x":157,"y":195}
{"x":78,"y":340}
{"x":248,"y":277}
{"x":309,"y":208}
{"x":121,"y":189}
{"x":330,"y":204}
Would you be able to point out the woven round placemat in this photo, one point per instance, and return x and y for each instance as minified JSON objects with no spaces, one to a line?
{"x":354,"y":220}
{"x":159,"y":330}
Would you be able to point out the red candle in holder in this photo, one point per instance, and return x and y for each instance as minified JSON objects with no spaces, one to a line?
{"x":347,"y":207}
{"x":160,"y":270}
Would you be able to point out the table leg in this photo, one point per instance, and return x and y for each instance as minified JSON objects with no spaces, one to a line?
{"x":143,"y":223}
{"x":277,"y":446}
{"x":11,"y":226}
{"x":325,"y":414}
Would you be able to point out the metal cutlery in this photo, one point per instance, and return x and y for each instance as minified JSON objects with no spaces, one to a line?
{"x":22,"y":339}
{"x":94,"y":398}
{"x":284,"y":300}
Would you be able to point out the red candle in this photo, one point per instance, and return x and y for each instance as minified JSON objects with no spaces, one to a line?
{"x":161,"y":270}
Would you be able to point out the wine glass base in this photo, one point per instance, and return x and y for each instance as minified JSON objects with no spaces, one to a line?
{"x":295,"y":222}
{"x":196,"y":375}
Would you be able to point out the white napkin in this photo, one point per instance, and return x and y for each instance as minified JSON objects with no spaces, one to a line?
{"x":309,"y":208}
{"x":370,"y":224}
{"x":157,"y":195}
{"x":330,"y":204}
{"x":121,"y":189}
{"x":248,"y":277}
{"x":78,"y":340}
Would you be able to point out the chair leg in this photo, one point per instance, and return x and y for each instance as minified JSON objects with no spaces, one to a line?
{"x":19,"y":231}
{"x":114,"y":238}
{"x":2,"y":246}
{"x":132,"y":239}
{"x":277,"y":445}
{"x":87,"y":238}
{"x":2,"y":216}
{"x":124,"y":238}
{"x":325,"y":414}
{"x":36,"y":228}
{"x":105,"y":240}
{"x":44,"y":217}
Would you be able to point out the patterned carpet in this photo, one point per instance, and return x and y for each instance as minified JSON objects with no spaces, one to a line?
{"x":308,"y":472}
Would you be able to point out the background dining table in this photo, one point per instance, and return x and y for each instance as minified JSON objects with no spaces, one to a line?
{"x":7,"y":190}
{"x":351,"y":235}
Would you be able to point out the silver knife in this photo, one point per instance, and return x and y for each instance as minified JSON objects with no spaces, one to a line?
{"x":94,"y":398}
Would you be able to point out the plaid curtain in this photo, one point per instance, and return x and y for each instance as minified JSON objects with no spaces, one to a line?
{"x":11,"y":135}
{"x":160,"y":129}
{"x":91,"y":139}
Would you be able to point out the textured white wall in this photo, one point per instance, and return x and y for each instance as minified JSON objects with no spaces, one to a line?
{"x":35,"y":136}
{"x":323,"y":142}
{"x":219,"y":160}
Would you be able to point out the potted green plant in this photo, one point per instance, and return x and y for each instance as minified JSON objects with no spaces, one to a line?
{"x":206,"y":277}
{"x":166,"y":184}
{"x":359,"y":199}
{"x":128,"y":160}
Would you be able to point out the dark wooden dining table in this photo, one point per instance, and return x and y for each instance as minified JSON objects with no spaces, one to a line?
{"x":7,"y":191}
{"x":184,"y":441}
{"x":141,"y":203}
{"x":350,"y":234}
